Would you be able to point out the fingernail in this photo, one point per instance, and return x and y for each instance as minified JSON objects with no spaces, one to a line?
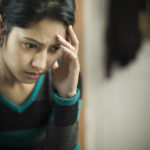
{"x":62,"y":47}
{"x":60,"y":37}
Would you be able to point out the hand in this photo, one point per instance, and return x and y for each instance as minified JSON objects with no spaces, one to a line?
{"x":65,"y":77}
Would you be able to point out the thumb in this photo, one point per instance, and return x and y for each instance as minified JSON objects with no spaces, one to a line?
{"x":55,"y":66}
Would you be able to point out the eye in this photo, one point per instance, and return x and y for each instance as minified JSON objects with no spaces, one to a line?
{"x":55,"y":48}
{"x":30,"y":46}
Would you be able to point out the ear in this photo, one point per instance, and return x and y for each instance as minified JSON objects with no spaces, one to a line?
{"x":2,"y":29}
{"x":1,"y":22}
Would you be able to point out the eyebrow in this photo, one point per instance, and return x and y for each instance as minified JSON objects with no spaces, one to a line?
{"x":42,"y":44}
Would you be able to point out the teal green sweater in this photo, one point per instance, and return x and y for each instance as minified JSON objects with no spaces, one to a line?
{"x":44,"y":121}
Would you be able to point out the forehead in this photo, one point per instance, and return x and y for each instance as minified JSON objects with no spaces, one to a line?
{"x":45,"y":31}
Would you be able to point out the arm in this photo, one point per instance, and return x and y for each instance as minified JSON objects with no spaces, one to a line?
{"x":66,"y":122}
{"x":63,"y":134}
{"x":66,"y":94}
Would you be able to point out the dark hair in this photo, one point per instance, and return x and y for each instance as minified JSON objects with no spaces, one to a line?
{"x":25,"y":13}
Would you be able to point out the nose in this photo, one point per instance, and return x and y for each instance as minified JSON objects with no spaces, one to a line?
{"x":39,"y":61}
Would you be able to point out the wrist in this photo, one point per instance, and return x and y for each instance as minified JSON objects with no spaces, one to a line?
{"x":68,"y":95}
{"x":65,"y":101}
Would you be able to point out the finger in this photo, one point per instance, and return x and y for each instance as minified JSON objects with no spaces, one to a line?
{"x":55,"y":66}
{"x":69,"y":52}
{"x":69,"y":39}
{"x":64,"y":42}
{"x":73,"y":37}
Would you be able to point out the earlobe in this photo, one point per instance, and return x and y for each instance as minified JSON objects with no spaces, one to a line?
{"x":1,"y":44}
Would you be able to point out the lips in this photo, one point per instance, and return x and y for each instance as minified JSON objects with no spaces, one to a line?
{"x":33,"y":75}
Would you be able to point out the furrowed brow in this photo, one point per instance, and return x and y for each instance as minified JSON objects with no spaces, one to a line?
{"x":57,"y":44}
{"x":39,"y":43}
{"x":33,"y":40}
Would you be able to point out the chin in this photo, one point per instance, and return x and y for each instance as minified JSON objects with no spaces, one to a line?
{"x":31,"y":82}
{"x":28,"y":81}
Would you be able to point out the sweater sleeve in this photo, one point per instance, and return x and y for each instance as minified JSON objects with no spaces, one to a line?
{"x":66,"y":109}
{"x":64,"y":121}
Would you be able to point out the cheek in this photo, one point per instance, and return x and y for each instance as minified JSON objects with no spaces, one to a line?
{"x":21,"y":59}
{"x":16,"y":56}
{"x":50,"y":61}
{"x":53,"y":58}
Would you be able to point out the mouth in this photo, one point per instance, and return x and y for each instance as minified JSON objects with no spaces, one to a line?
{"x":33,"y":75}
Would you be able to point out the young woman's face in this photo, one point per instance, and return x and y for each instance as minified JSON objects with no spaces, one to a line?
{"x":33,"y":50}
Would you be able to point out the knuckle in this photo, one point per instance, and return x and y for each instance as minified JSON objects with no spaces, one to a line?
{"x":74,"y":49}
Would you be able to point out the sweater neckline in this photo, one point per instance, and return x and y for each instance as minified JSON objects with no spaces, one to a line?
{"x":28,"y":102}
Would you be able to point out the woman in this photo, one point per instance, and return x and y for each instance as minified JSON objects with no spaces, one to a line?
{"x":39,"y":72}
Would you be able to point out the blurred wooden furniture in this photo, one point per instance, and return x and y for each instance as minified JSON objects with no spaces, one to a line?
{"x":78,"y":30}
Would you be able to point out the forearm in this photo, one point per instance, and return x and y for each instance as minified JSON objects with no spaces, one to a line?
{"x":66,"y":122}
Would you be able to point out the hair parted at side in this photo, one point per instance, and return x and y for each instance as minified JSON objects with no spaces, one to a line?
{"x":25,"y":13}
